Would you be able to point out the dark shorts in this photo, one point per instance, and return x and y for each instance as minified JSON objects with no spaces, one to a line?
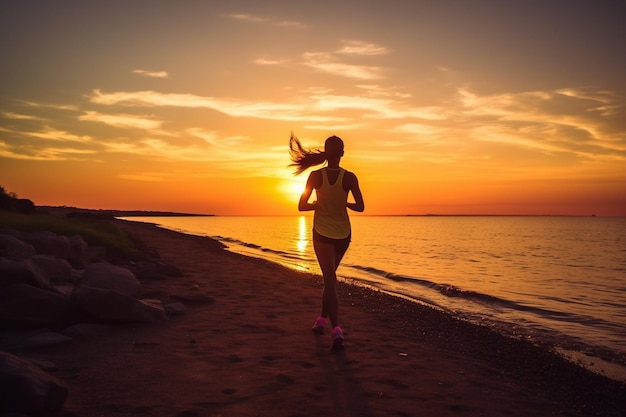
{"x":341,"y":245}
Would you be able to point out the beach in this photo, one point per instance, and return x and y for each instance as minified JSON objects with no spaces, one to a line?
{"x":245,"y":347}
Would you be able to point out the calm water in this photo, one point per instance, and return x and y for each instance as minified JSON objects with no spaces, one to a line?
{"x":559,"y":281}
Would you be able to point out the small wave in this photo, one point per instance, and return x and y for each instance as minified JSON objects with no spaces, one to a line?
{"x":253,"y":249}
{"x":369,"y":269}
{"x":487,"y":300}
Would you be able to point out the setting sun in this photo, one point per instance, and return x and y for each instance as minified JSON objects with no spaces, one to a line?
{"x":292,"y":188}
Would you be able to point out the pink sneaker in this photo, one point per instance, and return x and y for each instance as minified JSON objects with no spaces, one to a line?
{"x":319,"y":325}
{"x":337,"y":337}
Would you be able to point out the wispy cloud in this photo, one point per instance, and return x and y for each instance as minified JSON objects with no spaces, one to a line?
{"x":18,"y":116}
{"x":235,"y":108}
{"x":37,"y":152}
{"x":423,"y":131}
{"x":121,"y":120}
{"x":63,"y":107}
{"x":212,"y":138}
{"x":265,"y":61}
{"x":353,"y":47}
{"x":378,"y":90}
{"x":548,"y":121}
{"x":146,"y":176}
{"x":153,"y":74}
{"x":235,"y":155}
{"x":244,"y":17}
{"x":53,"y":134}
{"x":325,"y":62}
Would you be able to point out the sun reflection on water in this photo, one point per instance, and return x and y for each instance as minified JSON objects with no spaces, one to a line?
{"x":303,"y":240}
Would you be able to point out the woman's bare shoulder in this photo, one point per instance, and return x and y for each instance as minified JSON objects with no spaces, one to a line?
{"x":350,"y":175}
{"x":315,"y":177}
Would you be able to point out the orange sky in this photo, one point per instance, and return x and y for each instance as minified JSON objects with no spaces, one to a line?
{"x":482,"y":107}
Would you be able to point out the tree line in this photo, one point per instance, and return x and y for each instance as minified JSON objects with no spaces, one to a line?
{"x":9,"y":201}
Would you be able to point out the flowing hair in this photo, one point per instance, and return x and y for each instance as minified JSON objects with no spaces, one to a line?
{"x":303,"y":158}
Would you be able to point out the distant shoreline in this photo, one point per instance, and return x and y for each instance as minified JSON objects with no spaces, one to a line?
{"x":75,"y":211}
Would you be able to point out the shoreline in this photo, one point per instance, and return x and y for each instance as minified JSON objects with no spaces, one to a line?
{"x":250,"y":351}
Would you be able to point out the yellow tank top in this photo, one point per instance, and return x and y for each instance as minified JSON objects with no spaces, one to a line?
{"x":331,"y":214}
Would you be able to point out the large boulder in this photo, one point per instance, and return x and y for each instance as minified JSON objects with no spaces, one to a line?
{"x":152,"y":271}
{"x":57,"y":270}
{"x":111,"y":277}
{"x":109,"y":305}
{"x":25,"y":306}
{"x":25,"y":272}
{"x":49,"y":243}
{"x":13,"y":248}
{"x":27,"y":389}
{"x":78,"y":251}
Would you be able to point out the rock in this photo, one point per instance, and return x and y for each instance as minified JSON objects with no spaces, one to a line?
{"x":175,"y":309}
{"x":193,"y":298}
{"x":110,"y":305}
{"x":13,"y":248}
{"x":26,"y":306}
{"x":25,"y":388}
{"x":11,"y":232}
{"x":58,"y":270}
{"x":31,"y":339}
{"x":64,"y":289}
{"x":78,"y":251}
{"x":48,"y":243}
{"x":96,"y":253}
{"x":86,"y":330}
{"x":111,"y":277}
{"x":24,"y":272}
{"x":152,"y":271}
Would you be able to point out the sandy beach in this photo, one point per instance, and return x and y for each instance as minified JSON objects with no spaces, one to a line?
{"x":245,"y":348}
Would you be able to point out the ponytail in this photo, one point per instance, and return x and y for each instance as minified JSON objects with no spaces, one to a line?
{"x":304,"y":158}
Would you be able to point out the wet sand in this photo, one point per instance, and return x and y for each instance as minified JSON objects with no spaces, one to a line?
{"x":245,"y":348}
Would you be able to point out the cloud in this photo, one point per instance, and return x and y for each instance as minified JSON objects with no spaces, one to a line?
{"x":352,"y":47}
{"x":52,"y":134}
{"x":324,"y":62}
{"x":236,"y":155}
{"x":146,"y":176}
{"x":64,"y":107}
{"x":419,"y":129}
{"x":151,"y":147}
{"x":319,"y":106}
{"x":212,"y":138}
{"x":17,"y":116}
{"x":121,"y":120}
{"x":153,"y":74}
{"x":377,"y":90}
{"x":37,"y":152}
{"x":235,"y":108}
{"x":265,"y":61}
{"x":244,"y":17}
{"x":547,"y":121}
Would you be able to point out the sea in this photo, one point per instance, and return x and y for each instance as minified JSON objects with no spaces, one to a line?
{"x":557,"y":281}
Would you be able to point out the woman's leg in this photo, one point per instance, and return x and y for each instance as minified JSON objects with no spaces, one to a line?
{"x":326,"y":257}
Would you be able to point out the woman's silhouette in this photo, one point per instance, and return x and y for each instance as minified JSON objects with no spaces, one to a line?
{"x":331,"y":224}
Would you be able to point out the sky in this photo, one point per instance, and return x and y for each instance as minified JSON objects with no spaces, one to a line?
{"x":445,"y":107}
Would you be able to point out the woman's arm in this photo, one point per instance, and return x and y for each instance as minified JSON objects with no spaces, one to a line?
{"x":303,"y":204}
{"x":359,"y":204}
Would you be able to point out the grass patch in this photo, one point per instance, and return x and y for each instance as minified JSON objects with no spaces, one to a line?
{"x":96,"y":232}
